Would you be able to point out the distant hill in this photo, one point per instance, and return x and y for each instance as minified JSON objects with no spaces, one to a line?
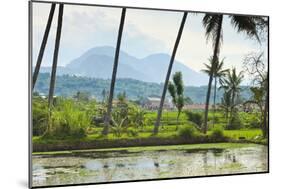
{"x":97,"y":62}
{"x":67,"y":85}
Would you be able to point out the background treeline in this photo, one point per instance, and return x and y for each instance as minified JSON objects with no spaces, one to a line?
{"x":68,"y":85}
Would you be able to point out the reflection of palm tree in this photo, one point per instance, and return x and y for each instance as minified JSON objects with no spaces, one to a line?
{"x":213,"y":26}
{"x":231,"y":84}
{"x":55,"y":58}
{"x":218,"y":73}
{"x":43,"y":45}
{"x":160,"y":109}
{"x":114,"y":72}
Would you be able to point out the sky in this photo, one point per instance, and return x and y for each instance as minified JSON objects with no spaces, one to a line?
{"x":145,"y":32}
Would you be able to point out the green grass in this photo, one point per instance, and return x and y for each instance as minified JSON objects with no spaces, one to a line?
{"x":221,"y":146}
{"x":233,"y":134}
{"x":98,"y":136}
{"x":248,"y":134}
{"x":168,"y":117}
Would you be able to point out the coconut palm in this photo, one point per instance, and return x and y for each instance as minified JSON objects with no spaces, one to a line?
{"x":43,"y":44}
{"x":159,"y":114}
{"x":55,"y":58}
{"x":213,"y":26}
{"x":114,"y":72}
{"x":225,"y":105}
{"x":231,"y":84}
{"x":176,"y":89}
{"x":218,"y":73}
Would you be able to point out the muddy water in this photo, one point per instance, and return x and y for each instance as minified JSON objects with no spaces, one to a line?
{"x":94,"y":167}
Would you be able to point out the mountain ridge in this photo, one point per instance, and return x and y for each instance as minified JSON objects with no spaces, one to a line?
{"x":97,"y":62}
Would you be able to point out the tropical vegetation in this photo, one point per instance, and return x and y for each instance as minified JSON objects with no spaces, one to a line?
{"x":115,"y":117}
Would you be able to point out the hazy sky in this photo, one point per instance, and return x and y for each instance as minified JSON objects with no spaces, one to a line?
{"x":145,"y":32}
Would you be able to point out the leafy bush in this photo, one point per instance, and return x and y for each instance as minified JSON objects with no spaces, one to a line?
{"x":118,"y":127}
{"x":217,"y":134}
{"x":137,"y":117}
{"x":66,"y":120}
{"x":216,"y":119}
{"x":195,"y":117}
{"x":132,"y":132}
{"x":187,"y":132}
{"x":39,"y":115}
{"x":254,"y":123}
{"x":235,"y":123}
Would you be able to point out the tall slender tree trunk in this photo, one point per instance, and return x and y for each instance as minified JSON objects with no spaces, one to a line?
{"x":227,"y":114}
{"x":55,"y":58}
{"x":215,"y":58}
{"x":231,"y":108}
{"x":232,"y":104}
{"x":160,"y":109}
{"x":43,"y":45}
{"x":215,"y":93}
{"x":114,"y":72}
{"x":178,"y":120}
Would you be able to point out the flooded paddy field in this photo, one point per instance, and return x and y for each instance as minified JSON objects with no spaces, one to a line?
{"x":146,"y":163}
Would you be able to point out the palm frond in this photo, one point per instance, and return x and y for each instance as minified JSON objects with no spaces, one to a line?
{"x":247,"y":24}
{"x":213,"y":24}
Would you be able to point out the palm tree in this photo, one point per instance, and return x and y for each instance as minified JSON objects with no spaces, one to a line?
{"x":114,"y":72}
{"x":213,"y":26}
{"x":43,"y":44}
{"x":231,"y":84}
{"x":226,"y":104}
{"x":55,"y":58}
{"x":218,"y":73}
{"x":176,"y":89}
{"x":159,"y":114}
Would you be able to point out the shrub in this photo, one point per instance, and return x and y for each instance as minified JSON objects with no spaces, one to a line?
{"x":39,"y":115}
{"x":132,"y":132}
{"x":118,"y":127}
{"x":68,"y":121}
{"x":216,"y":119}
{"x":217,"y":134}
{"x":137,"y":117}
{"x":195,"y":117}
{"x":254,"y":123}
{"x":187,"y":132}
{"x":234,"y":123}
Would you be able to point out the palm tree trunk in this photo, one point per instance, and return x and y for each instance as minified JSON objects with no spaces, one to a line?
{"x":232,"y":104}
{"x":215,"y":93}
{"x":157,"y":123}
{"x":55,"y":58}
{"x":231,"y":109}
{"x":205,"y":127}
{"x":179,"y":112}
{"x":227,"y":112}
{"x":114,"y":72}
{"x":215,"y":58}
{"x":43,"y":45}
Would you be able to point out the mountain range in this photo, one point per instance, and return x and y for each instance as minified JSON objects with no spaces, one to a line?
{"x":97,"y":62}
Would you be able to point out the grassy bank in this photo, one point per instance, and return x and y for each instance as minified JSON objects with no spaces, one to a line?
{"x":218,"y":146}
{"x":97,"y":141}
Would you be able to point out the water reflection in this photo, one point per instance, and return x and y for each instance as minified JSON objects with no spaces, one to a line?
{"x":119,"y":166}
